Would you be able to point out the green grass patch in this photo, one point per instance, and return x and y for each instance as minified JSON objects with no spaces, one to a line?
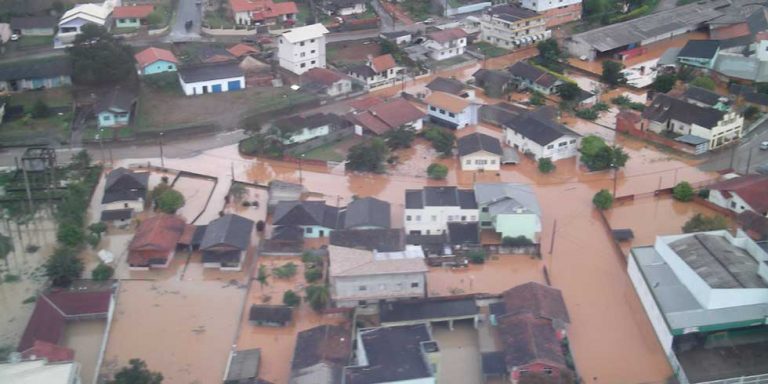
{"x":488,"y":49}
{"x":26,"y":42}
{"x":324,"y":153}
{"x":27,"y":130}
{"x":54,"y":97}
{"x":418,"y":10}
{"x":92,"y":133}
{"x":215,"y":19}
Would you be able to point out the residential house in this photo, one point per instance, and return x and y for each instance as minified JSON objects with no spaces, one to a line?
{"x":451,"y":111}
{"x":479,"y":152}
{"x":668,"y":115}
{"x":262,"y":12}
{"x":429,"y":210}
{"x":377,"y":71}
{"x":539,"y":300}
{"x":463,"y":235}
{"x":397,"y":37}
{"x":283,"y":191}
{"x":361,"y":277}
{"x":211,"y":78}
{"x":40,"y":371}
{"x":399,"y":354}
{"x":446,"y":43}
{"x":541,"y":136}
{"x":211,"y":54}
{"x":226,"y":241}
{"x":156,"y":60}
{"x":243,"y":367}
{"x":155,"y":241}
{"x":298,"y":129}
{"x":343,"y":7}
{"x":555,"y":12}
{"x":315,"y":217}
{"x":326,"y":81}
{"x":125,"y":191}
{"x":241,"y":50}
{"x":365,"y":213}
{"x":73,"y":20}
{"x":740,"y":194}
{"x":699,"y":53}
{"x":387,"y":116}
{"x":49,"y":351}
{"x":510,"y":209}
{"x":383,"y":240}
{"x":530,"y":77}
{"x":115,"y":107}
{"x":494,"y":83}
{"x":33,"y":25}
{"x":35,"y":74}
{"x":132,"y":16}
{"x":270,"y":315}
{"x":302,"y":49}
{"x":698,"y":289}
{"x":450,"y":86}
{"x":703,"y":97}
{"x":511,"y":26}
{"x":430,"y":310}
{"x":320,"y":355}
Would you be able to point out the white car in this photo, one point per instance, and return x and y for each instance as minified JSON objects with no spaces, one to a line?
{"x":14,"y":37}
{"x":764,"y":145}
{"x":428,"y":21}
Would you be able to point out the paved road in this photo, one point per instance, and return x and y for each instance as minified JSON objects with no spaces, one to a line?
{"x":186,"y":10}
{"x":741,"y":153}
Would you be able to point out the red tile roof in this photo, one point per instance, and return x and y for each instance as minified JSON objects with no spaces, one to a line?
{"x":447,"y":35}
{"x":383,"y":63}
{"x":46,"y":324}
{"x":536,"y":299}
{"x":751,"y":188}
{"x":130,"y":11}
{"x":322,"y":76}
{"x":527,"y":340}
{"x":246,"y":5}
{"x":370,"y":122}
{"x":49,"y":351}
{"x":365,"y":102}
{"x":241,"y":49}
{"x":263,"y":9}
{"x":397,"y":112}
{"x":155,"y":239}
{"x":729,"y":32}
{"x":152,"y":54}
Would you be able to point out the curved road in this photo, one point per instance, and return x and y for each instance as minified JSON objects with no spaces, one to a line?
{"x":186,"y":10}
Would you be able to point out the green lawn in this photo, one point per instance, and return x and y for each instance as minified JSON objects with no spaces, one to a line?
{"x":325,"y":153}
{"x":92,"y":133}
{"x":418,"y":10}
{"x":54,"y":97}
{"x":29,"y":130}
{"x":218,"y":20}
{"x":33,"y":42}
{"x":488,"y":49}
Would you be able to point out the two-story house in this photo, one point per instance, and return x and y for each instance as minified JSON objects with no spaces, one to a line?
{"x":125,"y":192}
{"x":479,"y":152}
{"x":302,"y":48}
{"x":429,"y":210}
{"x":511,"y":26}
{"x":668,"y":115}
{"x":556,"y":12}
{"x":73,"y":20}
{"x":529,"y":77}
{"x":446,"y":43}
{"x":699,"y":53}
{"x":360,"y":276}
{"x":542,"y":136}
{"x":315,"y":218}
{"x":377,"y":71}
{"x":510,"y":209}
{"x":741,"y":193}
{"x":451,"y":111}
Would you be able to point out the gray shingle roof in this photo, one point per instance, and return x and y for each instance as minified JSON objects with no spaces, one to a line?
{"x":425,"y":309}
{"x":382,"y":240}
{"x":230,"y":231}
{"x":700,"y":49}
{"x":36,"y":69}
{"x":117,"y":98}
{"x":271,"y":313}
{"x":528,"y":72}
{"x":208,"y":72}
{"x":507,"y":198}
{"x":701,"y":95}
{"x":125,"y":185}
{"x":394,"y":355}
{"x":477,"y":142}
{"x":665,"y":108}
{"x":306,"y":213}
{"x":539,"y":129}
{"x":440,"y":196}
{"x":243,"y":366}
{"x":463,"y":233}
{"x":442,"y":84}
{"x":366,"y":212}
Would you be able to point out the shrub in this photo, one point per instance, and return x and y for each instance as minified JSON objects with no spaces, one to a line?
{"x":704,"y":82}
{"x":310,"y":258}
{"x":285,"y":271}
{"x":569,"y":91}
{"x":603,"y":200}
{"x":683,"y":191}
{"x":597,"y":155}
{"x":536,"y":98}
{"x":291,"y":299}
{"x":702,"y":223}
{"x":368,"y":157}
{"x":70,"y":234}
{"x":587,"y":113}
{"x":400,"y":138}
{"x":261,"y":277}
{"x":516,"y":241}
{"x":40,"y":109}
{"x":612,"y":74}
{"x":11,"y":278}
{"x":476,"y":256}
{"x":29,"y":300}
{"x":102,"y":272}
{"x":98,"y":228}
{"x":750,"y":112}
{"x":313,"y":274}
{"x":437,"y":171}
{"x":63,"y":266}
{"x":31,"y":248}
{"x":318,"y":296}
{"x":546,"y":165}
{"x":704,"y":193}
{"x":170,"y":201}
{"x":260,"y":226}
{"x":442,"y":140}
{"x":664,"y":82}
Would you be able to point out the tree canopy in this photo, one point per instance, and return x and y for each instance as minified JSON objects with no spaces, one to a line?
{"x":683,"y":191}
{"x":442,"y":140}
{"x":603,"y":199}
{"x":664,"y":82}
{"x":400,"y":138}
{"x":550,"y":55}
{"x":169,"y":201}
{"x":569,"y":91}
{"x":137,"y":373}
{"x":597,"y":155}
{"x":100,"y":59}
{"x":437,"y":171}
{"x":704,"y":82}
{"x":64,"y":266}
{"x":612,"y":74}
{"x":702,"y":223}
{"x":368,"y":157}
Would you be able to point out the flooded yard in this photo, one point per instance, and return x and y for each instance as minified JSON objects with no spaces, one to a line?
{"x":498,"y":274}
{"x":85,"y":338}
{"x":459,"y":354}
{"x":197,"y":191}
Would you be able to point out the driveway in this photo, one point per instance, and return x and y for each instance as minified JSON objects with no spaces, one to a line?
{"x":186,"y":10}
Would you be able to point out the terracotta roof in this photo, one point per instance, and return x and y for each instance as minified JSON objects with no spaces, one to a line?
{"x":527,"y":339}
{"x":397,"y":112}
{"x":365,"y":102}
{"x":370,"y":122}
{"x":383,"y":63}
{"x":761,"y":36}
{"x":447,"y":35}
{"x":139,"y":11}
{"x":155,"y":239}
{"x":536,"y":299}
{"x":322,"y":76}
{"x":274,"y":10}
{"x":49,"y":351}
{"x":241,"y":49}
{"x":753,"y":189}
{"x":246,"y":5}
{"x":152,"y":54}
{"x":447,"y":101}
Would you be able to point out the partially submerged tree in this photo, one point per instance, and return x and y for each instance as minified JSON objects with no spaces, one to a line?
{"x":703,"y":223}
{"x":612,"y":74}
{"x":683,"y":191}
{"x":169,"y":201}
{"x":569,"y":91}
{"x":291,"y":299}
{"x":437,"y":171}
{"x":318,"y":296}
{"x":368,"y":157}
{"x":6,"y":247}
{"x":597,"y":155}
{"x":546,"y":165}
{"x":664,"y":82}
{"x":63,"y":266}
{"x":137,"y":373}
{"x":442,"y":139}
{"x":603,"y":200}
{"x":400,"y":138}
{"x":102,"y":272}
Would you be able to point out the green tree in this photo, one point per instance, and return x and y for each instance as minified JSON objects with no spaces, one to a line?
{"x":516,"y":241}
{"x":97,"y":228}
{"x":546,"y":165}
{"x":685,"y":73}
{"x":704,"y":82}
{"x":156,"y":18}
{"x":569,"y":91}
{"x":237,"y":191}
{"x":313,"y":274}
{"x":40,"y":109}
{"x":102,"y":272}
{"x":70,"y":234}
{"x":442,"y":139}
{"x":63,"y":266}
{"x":285,"y":271}
{"x":318,"y":296}
{"x":261,"y":277}
{"x":368,"y":157}
{"x":683,"y":191}
{"x":400,"y":138}
{"x":536,"y":98}
{"x":703,"y":223}
{"x":291,"y":299}
{"x":612,"y":74}
{"x":99,"y":59}
{"x":437,"y":171}
{"x":664,"y":82}
{"x":597,"y":155}
{"x":170,"y":201}
{"x":602,"y":200}
{"x":762,"y":88}
{"x":81,"y":160}
{"x":550,"y":55}
{"x":137,"y":373}
{"x":750,"y":112}
{"x":6,"y":247}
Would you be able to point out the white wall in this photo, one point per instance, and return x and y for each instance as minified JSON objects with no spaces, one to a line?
{"x":435,"y":219}
{"x":480,"y":161}
{"x":503,"y":33}
{"x":468,"y":116}
{"x":301,"y":56}
{"x":346,"y":289}
{"x":191,"y":89}
{"x":545,"y":5}
{"x":442,"y":51}
{"x":136,"y":205}
{"x":734,"y":203}
{"x":562,"y":148}
{"x":339,"y":88}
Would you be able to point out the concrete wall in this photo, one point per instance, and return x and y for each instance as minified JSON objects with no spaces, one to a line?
{"x":435,"y":219}
{"x":480,"y":161}
{"x":518,"y":224}
{"x":347,"y":292}
{"x":469,"y":8}
{"x":652,"y":310}
{"x":340,"y":87}
{"x":197,"y":87}
{"x":315,"y":231}
{"x":159,"y":67}
{"x":442,"y":51}
{"x":37,"y":32}
{"x":301,"y":56}
{"x":562,"y":15}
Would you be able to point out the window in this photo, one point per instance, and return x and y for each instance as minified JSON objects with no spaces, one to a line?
{"x":563,"y":144}
{"x":432,"y":108}
{"x":361,"y":302}
{"x":548,"y":371}
{"x":463,"y":218}
{"x":302,"y":43}
{"x":313,"y":51}
{"x":573,"y":141}
{"x":473,"y":218}
{"x":485,"y":209}
{"x":550,"y":146}
{"x":303,"y":65}
{"x":493,"y":161}
{"x":415,"y":285}
{"x":442,"y":111}
{"x":362,"y":288}
{"x":418,"y":218}
{"x":481,"y":162}
{"x":451,"y":114}
{"x":485,"y":223}
{"x":468,"y":162}
{"x":308,"y":230}
{"x":733,"y":204}
{"x":408,"y":218}
{"x":302,"y":54}
{"x":313,"y":62}
{"x":312,"y":41}
{"x":170,"y":67}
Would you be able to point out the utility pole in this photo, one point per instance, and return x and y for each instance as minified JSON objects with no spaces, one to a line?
{"x":301,"y":176}
{"x":101,"y":145}
{"x":552,"y":239}
{"x":26,"y":185}
{"x":749,"y":161}
{"x":162,"y":161}
{"x":614,"y":181}
{"x":232,"y":169}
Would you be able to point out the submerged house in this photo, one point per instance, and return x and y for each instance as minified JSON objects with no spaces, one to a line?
{"x":226,"y":241}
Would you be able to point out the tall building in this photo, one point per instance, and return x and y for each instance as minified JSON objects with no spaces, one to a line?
{"x":556,"y":12}
{"x":511,"y":26}
{"x":302,"y":49}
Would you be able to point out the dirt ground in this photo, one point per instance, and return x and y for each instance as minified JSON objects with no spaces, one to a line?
{"x":352,"y":51}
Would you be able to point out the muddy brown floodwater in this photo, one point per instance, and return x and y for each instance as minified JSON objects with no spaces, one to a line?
{"x":85,"y":338}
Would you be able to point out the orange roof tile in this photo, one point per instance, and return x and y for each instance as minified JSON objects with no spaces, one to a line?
{"x":447,"y":102}
{"x":130,"y":11}
{"x":383,"y":63}
{"x":241,"y":49}
{"x":447,"y":35}
{"x":152,"y":54}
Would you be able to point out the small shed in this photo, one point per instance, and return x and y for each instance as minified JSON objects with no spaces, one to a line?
{"x":698,"y":143}
{"x":270,"y":315}
{"x":243,"y":366}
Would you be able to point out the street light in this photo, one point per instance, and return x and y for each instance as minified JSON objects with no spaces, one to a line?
{"x":301,"y":177}
{"x":162,"y":161}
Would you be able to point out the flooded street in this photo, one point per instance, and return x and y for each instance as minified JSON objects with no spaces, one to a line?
{"x":85,"y":338}
{"x":495,"y":276}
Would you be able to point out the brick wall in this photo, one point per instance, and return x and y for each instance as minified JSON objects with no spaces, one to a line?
{"x":631,"y":123}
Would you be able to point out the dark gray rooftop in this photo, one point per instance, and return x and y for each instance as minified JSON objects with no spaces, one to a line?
{"x":511,"y":12}
{"x":125,"y":185}
{"x":229,"y":231}
{"x":443,"y":84}
{"x":539,"y":129}
{"x":366,"y":212}
{"x":440,"y":197}
{"x":382,"y":240}
{"x":477,"y":142}
{"x":36,"y":69}
{"x":526,"y":71}
{"x":306,"y":213}
{"x":32,"y":22}
{"x":700,"y":49}
{"x":702,"y":95}
{"x":464,"y":233}
{"x":271,"y":313}
{"x":394,"y":354}
{"x":119,"y":99}
{"x":427,"y":309}
{"x":718,"y":262}
{"x":208,"y":72}
{"x":664,"y":108}
{"x":244,"y":365}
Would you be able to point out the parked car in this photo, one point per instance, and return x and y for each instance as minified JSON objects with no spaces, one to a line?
{"x":764,"y":145}
{"x":14,"y":37}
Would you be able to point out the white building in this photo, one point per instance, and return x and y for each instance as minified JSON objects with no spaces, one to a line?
{"x":668,"y":114}
{"x":556,"y":12}
{"x":39,"y":372}
{"x":479,"y":152}
{"x":741,"y":193}
{"x":327,"y":81}
{"x":446,"y":43}
{"x":73,"y":21}
{"x":510,"y":26}
{"x":451,"y":111}
{"x":211,"y":78}
{"x":428,"y":211}
{"x":125,"y":193}
{"x":303,"y":48}
{"x":343,"y":7}
{"x":701,"y":291}
{"x":377,"y":71}
{"x":298,"y":129}
{"x":360,"y":277}
{"x":542,"y":137}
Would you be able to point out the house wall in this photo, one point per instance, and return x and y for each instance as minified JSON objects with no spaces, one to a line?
{"x":243,"y":18}
{"x":480,"y":161}
{"x":197,"y":88}
{"x":29,"y":84}
{"x":70,"y":29}
{"x":354,"y":10}
{"x":112,"y":119}
{"x":562,"y":148}
{"x":469,"y":8}
{"x":308,"y":134}
{"x":159,"y":67}
{"x":518,"y":224}
{"x":697,"y":62}
{"x":447,"y":50}
{"x":381,"y":78}
{"x":38,"y":31}
{"x":339,"y":88}
{"x":562,"y":15}
{"x":734,"y":203}
{"x":578,"y":48}
{"x":128,"y":22}
{"x":513,"y":35}
{"x":546,"y":5}
{"x":136,"y":205}
{"x":527,"y":84}
{"x":301,"y":56}
{"x":348,"y":291}
{"x":468,"y":116}
{"x":315,"y":231}
{"x":434,"y":220}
